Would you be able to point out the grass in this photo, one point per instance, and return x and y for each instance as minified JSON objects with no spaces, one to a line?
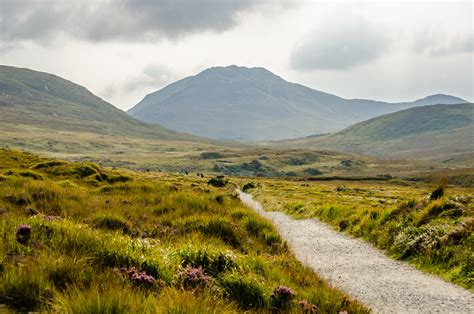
{"x":94,"y":242}
{"x":426,"y":225}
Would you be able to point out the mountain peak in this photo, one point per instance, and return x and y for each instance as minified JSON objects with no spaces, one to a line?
{"x":238,"y":102}
{"x":440,"y":99}
{"x":236,"y":71}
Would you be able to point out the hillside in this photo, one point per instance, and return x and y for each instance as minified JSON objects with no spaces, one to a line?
{"x":254,"y":104}
{"x":439,"y":132}
{"x":45,"y":101}
{"x":78,"y":238}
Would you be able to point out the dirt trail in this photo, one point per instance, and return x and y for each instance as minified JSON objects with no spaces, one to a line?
{"x":365,"y":273}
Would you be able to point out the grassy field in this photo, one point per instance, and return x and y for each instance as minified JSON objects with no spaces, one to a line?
{"x":411,"y":222}
{"x":144,"y":154}
{"x":80,"y":238}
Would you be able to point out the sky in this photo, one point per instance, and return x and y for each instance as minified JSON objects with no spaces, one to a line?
{"x":122,"y":50}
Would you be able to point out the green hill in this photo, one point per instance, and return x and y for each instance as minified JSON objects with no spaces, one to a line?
{"x":439,"y":132}
{"x":46,"y":101}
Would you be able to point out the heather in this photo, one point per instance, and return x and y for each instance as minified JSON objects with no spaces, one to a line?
{"x":80,"y":238}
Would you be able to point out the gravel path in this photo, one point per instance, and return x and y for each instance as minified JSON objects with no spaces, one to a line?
{"x":365,"y":273}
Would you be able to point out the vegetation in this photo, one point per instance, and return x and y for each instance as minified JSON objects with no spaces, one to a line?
{"x":440,"y":133}
{"x":430,"y":227}
{"x":72,"y":242}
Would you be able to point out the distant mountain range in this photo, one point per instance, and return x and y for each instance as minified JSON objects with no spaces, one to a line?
{"x":442,"y":133}
{"x":45,"y":111}
{"x":47,"y":101}
{"x":255,"y":104}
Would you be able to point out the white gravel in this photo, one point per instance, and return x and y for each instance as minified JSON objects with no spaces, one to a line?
{"x":362,"y":271}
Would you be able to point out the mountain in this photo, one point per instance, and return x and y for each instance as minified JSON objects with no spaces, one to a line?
{"x":45,"y":101}
{"x":255,"y":104}
{"x":437,"y":132}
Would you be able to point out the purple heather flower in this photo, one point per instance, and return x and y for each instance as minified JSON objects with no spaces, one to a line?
{"x":193,"y":277}
{"x":23,"y":234}
{"x":136,"y":277}
{"x":283,"y":292}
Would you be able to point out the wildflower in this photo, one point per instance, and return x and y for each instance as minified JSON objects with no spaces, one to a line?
{"x":23,"y":234}
{"x":281,"y":297}
{"x":193,"y":277}
{"x":283,"y":292}
{"x":140,"y":278}
{"x":136,"y":277}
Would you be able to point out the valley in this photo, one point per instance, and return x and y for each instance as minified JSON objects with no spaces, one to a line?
{"x":114,"y":214}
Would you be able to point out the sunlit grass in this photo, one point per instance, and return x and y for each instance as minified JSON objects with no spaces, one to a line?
{"x":89,"y":236}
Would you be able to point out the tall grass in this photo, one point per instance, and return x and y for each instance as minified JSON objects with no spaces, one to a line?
{"x":92,"y":241}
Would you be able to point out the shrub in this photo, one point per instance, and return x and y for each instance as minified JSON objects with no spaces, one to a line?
{"x":23,"y":234}
{"x":218,"y":182}
{"x":281,"y":297}
{"x":193,"y":277}
{"x":138,"y":278}
{"x":437,"y":193}
{"x":312,"y":171}
{"x":249,"y":186}
{"x":248,"y":293}
{"x":220,"y":199}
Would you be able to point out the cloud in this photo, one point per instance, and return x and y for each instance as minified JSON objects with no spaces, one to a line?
{"x":436,"y":44}
{"x":154,"y":76}
{"x":339,"y":46}
{"x":121,"y":20}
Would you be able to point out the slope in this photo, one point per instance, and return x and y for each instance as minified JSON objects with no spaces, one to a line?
{"x":255,"y":104}
{"x":438,"y":132}
{"x":46,"y":101}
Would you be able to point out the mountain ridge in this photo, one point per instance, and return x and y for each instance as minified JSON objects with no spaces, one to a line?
{"x":271,"y":108}
{"x":45,"y":100}
{"x":433,"y":132}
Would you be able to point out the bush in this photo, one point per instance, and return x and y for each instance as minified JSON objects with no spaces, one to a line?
{"x":437,"y":193}
{"x":218,"y":182}
{"x":248,"y":293}
{"x":281,"y":297}
{"x":249,"y":186}
{"x":193,"y":277}
{"x":312,"y":171}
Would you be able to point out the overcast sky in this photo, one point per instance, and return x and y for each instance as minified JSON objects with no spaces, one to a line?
{"x":123,"y":49}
